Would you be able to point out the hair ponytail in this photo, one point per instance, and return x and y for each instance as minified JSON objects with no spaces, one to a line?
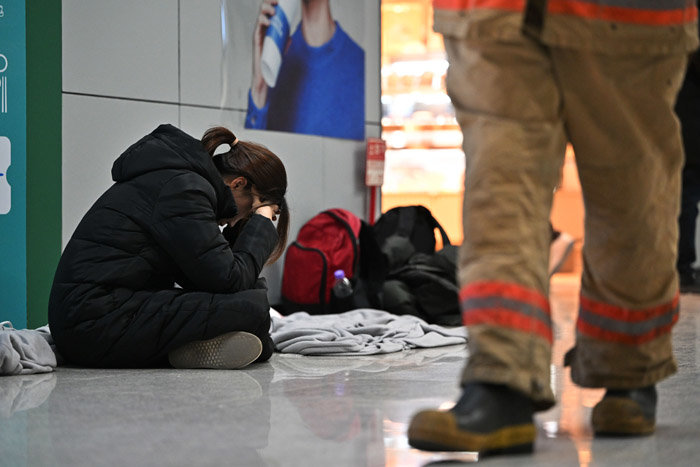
{"x":215,"y":137}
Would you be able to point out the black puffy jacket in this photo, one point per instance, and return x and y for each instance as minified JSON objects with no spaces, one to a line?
{"x":114,"y":301}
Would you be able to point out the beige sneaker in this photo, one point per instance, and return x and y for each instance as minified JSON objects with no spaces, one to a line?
{"x":225,"y":352}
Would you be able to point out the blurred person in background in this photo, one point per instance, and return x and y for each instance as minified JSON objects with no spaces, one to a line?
{"x":688,"y":110}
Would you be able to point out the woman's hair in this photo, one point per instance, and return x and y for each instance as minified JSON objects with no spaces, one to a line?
{"x":260,"y":166}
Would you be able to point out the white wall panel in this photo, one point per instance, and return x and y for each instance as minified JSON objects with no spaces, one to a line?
{"x":373,"y":89}
{"x":127,"y":48}
{"x":201,"y":52}
{"x":95,"y":132}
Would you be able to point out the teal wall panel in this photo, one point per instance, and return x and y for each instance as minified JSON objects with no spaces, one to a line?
{"x":30,"y":157}
{"x":13,"y":151}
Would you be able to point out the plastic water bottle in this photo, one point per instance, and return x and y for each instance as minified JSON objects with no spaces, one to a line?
{"x":342,"y":288}
{"x":281,"y":23}
{"x":5,"y":189}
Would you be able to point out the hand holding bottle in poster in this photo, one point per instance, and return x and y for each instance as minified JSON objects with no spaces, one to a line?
{"x":272,"y":31}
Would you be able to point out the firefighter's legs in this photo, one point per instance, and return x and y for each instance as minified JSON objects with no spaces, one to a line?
{"x":508,"y":106}
{"x":629,"y":156}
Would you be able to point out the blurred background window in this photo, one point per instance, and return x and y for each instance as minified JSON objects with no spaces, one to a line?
{"x":424,"y":159}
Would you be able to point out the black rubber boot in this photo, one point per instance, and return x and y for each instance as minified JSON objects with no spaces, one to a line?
{"x":629,"y":412}
{"x":488,"y":418}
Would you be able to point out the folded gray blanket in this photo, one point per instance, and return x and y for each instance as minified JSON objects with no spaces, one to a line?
{"x":25,"y":351}
{"x":358,"y":332}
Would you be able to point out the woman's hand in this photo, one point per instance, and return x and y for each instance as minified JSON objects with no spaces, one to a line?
{"x":265,"y":209}
{"x":269,"y":210}
{"x":258,"y":87}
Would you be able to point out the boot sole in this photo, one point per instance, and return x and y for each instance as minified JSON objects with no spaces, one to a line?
{"x":438,"y":431}
{"x":619,"y":416}
{"x":228,"y":351}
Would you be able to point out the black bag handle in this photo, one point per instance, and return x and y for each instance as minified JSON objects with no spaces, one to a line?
{"x":443,"y":234}
{"x":407,"y":218}
{"x":436,"y":225}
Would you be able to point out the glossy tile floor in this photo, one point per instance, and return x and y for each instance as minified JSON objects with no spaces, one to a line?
{"x":320,"y":411}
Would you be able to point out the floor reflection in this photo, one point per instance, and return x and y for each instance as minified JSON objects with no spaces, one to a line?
{"x":569,"y":419}
{"x":336,"y":399}
{"x":340,"y":411}
{"x":24,"y":392}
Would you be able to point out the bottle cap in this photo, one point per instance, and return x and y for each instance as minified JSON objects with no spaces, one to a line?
{"x":339,"y":274}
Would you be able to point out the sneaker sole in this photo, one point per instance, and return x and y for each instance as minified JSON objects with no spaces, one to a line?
{"x":228,"y":351}
{"x":619,"y":416}
{"x":438,"y":431}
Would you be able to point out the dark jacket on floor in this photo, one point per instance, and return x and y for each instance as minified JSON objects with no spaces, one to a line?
{"x":114,"y":301}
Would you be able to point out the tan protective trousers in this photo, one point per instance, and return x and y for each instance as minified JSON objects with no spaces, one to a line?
{"x":518,"y":103}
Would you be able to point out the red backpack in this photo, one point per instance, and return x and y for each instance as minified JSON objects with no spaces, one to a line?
{"x":331,"y":240}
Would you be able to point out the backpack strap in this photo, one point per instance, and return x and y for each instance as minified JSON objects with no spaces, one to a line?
{"x":407,"y":219}
{"x":443,"y":234}
{"x":353,"y":225}
{"x":436,"y":225}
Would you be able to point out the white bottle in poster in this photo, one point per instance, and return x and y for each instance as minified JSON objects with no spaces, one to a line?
{"x":5,"y":189}
{"x":286,"y":15}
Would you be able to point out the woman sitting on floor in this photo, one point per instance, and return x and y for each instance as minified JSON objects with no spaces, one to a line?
{"x":149,"y":277}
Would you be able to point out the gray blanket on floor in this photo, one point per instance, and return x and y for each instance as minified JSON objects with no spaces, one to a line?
{"x":358,"y":332}
{"x":25,"y":351}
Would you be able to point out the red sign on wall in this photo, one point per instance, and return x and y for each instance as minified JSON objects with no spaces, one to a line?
{"x":374,"y":171}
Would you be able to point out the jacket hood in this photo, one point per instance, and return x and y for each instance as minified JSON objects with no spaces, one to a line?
{"x":168,"y":147}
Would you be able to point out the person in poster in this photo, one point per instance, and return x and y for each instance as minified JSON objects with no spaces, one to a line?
{"x":320,"y":89}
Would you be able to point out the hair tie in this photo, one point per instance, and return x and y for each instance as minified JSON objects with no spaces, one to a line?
{"x":235,"y":142}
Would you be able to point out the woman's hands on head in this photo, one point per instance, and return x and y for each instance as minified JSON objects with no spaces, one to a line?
{"x":271,"y":211}
{"x":265,"y":209}
{"x":248,"y":202}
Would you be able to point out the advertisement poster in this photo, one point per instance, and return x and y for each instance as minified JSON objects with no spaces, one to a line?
{"x":307,"y":69}
{"x":13,"y":167}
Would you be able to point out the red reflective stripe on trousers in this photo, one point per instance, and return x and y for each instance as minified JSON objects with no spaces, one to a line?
{"x":611,"y":336}
{"x":583,"y":9}
{"x":591,"y":10}
{"x":507,"y":318}
{"x":627,"y":315}
{"x":507,"y":290}
{"x":473,"y":4}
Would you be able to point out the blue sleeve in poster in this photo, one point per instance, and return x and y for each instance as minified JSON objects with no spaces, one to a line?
{"x":255,"y":117}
